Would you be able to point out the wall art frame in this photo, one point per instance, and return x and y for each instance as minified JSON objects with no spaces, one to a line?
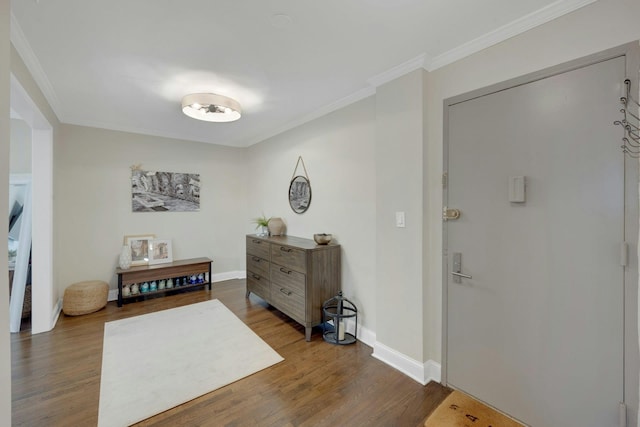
{"x":158,"y":191}
{"x":160,"y":251}
{"x":139,"y":247}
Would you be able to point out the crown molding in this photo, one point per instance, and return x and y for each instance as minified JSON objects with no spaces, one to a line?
{"x":419,"y":61}
{"x":512,"y":29}
{"x":322,"y":111}
{"x":19,"y":41}
{"x":425,"y":61}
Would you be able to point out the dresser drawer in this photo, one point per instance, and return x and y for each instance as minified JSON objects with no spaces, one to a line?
{"x":288,"y":302}
{"x":294,"y":275}
{"x":258,"y":265}
{"x":290,"y":279}
{"x":257,"y":247}
{"x":258,"y":285}
{"x":289,"y":257}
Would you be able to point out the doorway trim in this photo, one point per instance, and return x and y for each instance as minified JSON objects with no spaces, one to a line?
{"x":45,"y":306}
{"x":631,"y":52}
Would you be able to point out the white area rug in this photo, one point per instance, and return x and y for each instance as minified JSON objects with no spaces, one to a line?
{"x":156,"y":361}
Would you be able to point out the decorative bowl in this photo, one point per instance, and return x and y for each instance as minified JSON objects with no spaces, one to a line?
{"x":322,"y":239}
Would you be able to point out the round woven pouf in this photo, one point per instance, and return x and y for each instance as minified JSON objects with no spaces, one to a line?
{"x":85,"y":297}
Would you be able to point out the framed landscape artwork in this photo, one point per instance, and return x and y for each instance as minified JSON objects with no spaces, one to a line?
{"x":154,"y":191}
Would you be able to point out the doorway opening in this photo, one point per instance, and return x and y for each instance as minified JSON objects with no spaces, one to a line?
{"x":45,"y":303}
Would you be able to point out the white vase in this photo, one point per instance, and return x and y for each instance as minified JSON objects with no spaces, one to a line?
{"x":125,"y":257}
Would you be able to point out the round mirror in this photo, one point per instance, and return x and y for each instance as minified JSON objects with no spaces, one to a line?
{"x":299,"y":194}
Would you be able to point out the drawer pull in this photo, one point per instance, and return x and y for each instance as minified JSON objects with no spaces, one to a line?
{"x":256,"y":259}
{"x":283,"y":249}
{"x":286,"y":292}
{"x":285,"y":271}
{"x":257,"y":242}
{"x":255,"y":276}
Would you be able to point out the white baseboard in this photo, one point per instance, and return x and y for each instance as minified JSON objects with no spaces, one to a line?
{"x":364,"y":335}
{"x":57,"y":309}
{"x":432,"y":371}
{"x":421,"y":372}
{"x":229,"y":275}
{"x":113,"y":295}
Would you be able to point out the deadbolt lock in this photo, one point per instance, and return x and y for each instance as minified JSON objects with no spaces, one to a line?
{"x":449,"y":214}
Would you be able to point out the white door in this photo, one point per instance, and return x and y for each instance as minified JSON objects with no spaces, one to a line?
{"x":538,"y":329}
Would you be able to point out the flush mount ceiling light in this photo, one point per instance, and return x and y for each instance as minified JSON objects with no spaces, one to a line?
{"x":211,"y":107}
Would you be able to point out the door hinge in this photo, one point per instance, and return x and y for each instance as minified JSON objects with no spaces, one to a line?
{"x":444,"y":180}
{"x":622,"y":412}
{"x":624,"y":254}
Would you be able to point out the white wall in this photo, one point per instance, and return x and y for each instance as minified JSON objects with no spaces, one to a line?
{"x":20,"y":151}
{"x":338,"y":150}
{"x":93,"y":201}
{"x":5,"y":347}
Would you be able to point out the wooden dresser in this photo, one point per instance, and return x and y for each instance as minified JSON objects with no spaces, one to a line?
{"x":294,"y":275}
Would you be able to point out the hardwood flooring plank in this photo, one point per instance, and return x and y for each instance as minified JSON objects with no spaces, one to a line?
{"x":56,"y":375}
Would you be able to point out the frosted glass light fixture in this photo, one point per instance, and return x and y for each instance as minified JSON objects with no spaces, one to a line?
{"x":211,"y":107}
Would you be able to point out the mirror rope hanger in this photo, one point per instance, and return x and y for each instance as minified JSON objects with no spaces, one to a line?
{"x":631,"y":137}
{"x":303,"y":167}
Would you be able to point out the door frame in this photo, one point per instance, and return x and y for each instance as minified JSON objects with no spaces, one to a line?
{"x":631,"y":352}
{"x":45,"y":303}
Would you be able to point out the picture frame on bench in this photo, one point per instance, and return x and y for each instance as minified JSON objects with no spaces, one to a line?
{"x":160,"y":251}
{"x":139,"y":246}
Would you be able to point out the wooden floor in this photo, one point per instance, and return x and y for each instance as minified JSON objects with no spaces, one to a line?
{"x":56,"y":375}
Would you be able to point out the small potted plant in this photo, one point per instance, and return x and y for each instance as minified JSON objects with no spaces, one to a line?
{"x":262,"y":223}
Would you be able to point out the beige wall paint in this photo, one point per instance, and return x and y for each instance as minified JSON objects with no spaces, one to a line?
{"x":5,"y":354}
{"x":93,"y":201}
{"x":338,"y":150}
{"x":399,"y":165}
{"x":20,"y":151}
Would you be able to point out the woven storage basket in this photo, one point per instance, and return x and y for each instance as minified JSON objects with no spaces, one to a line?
{"x":85,"y":297}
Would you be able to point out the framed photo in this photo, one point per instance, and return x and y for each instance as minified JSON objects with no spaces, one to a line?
{"x":160,"y":251}
{"x":299,"y":194}
{"x":139,"y":245}
{"x":157,"y":191}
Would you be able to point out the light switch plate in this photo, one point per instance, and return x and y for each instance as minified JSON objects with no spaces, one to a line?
{"x":400,"y":220}
{"x":517,"y":189}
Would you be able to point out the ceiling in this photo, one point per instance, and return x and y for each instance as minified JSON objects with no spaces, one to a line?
{"x":125,"y":65}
